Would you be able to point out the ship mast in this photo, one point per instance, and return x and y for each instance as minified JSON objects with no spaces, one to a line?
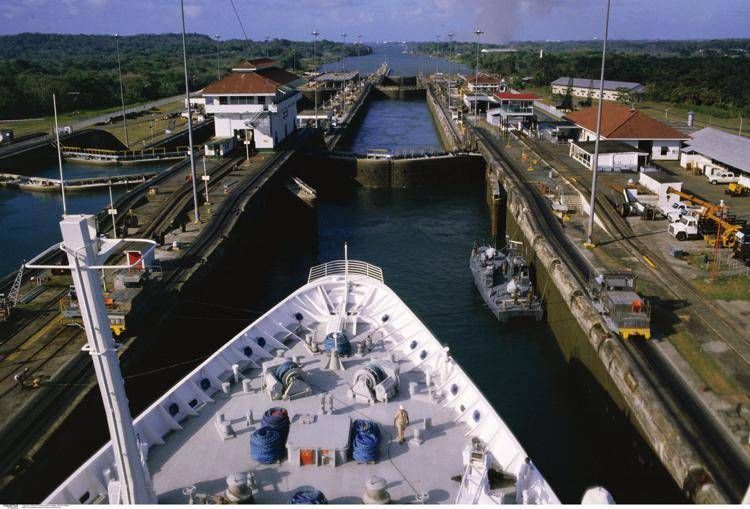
{"x":80,"y":244}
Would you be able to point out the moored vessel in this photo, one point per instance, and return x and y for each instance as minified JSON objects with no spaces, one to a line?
{"x":503,"y":279}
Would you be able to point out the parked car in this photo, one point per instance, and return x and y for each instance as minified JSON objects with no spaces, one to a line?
{"x":719,"y":175}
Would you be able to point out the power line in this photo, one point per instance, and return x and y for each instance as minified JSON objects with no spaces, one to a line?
{"x":237,"y":14}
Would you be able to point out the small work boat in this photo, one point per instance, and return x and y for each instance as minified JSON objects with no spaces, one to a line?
{"x":502,"y":278}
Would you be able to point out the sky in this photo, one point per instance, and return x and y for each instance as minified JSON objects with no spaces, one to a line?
{"x":411,"y":20}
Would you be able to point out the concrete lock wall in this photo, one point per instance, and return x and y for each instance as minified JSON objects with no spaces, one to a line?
{"x":582,"y":335}
{"x":383,"y":173}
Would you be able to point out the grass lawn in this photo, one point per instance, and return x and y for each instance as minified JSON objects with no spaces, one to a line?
{"x":657,"y":110}
{"x":140,"y":129}
{"x":704,"y":365}
{"x":46,"y":124}
{"x":735,"y":287}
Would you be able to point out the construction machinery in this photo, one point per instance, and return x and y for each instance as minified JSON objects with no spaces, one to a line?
{"x":713,"y":221}
{"x":8,"y":302}
{"x":736,"y":189}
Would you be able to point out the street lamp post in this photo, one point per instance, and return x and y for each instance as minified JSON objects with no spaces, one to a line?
{"x":268,"y":38}
{"x":595,"y":159}
{"x":218,"y":58}
{"x":315,"y":35}
{"x":59,"y":157}
{"x":478,"y":33}
{"x":437,"y":54}
{"x":122,"y":95}
{"x":189,"y":115}
{"x":359,"y":45}
{"x":343,"y":51}
{"x":450,"y":50}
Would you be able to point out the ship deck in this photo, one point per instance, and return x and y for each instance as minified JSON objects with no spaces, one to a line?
{"x":198,"y":455}
{"x":189,"y":446}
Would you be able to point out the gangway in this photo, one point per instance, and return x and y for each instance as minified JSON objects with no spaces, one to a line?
{"x":8,"y":302}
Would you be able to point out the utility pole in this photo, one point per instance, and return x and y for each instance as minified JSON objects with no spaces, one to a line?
{"x":437,"y":54}
{"x":315,"y":35}
{"x":218,"y":58}
{"x":595,"y":160}
{"x":740,"y":132}
{"x":268,"y":37}
{"x":359,"y":45}
{"x":450,"y":52}
{"x":478,"y":33}
{"x":112,"y":212}
{"x":122,"y":95}
{"x":343,"y":51}
{"x":189,"y":115}
{"x":59,"y":156}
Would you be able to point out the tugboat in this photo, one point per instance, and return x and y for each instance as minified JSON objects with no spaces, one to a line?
{"x":502,"y":278}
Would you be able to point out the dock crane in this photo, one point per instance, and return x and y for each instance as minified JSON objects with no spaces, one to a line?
{"x":715,"y":225}
{"x":8,"y":302}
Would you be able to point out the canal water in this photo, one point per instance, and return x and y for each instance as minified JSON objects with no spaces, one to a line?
{"x":402,"y":64}
{"x":29,"y":220}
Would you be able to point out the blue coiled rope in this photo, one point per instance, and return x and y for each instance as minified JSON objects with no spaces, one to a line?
{"x":282,"y":369}
{"x":277,"y":419}
{"x":366,"y":442}
{"x":308,"y":497}
{"x":266,"y":445}
{"x":339,"y":341}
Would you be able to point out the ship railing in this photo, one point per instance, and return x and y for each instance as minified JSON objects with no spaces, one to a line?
{"x":339,"y":267}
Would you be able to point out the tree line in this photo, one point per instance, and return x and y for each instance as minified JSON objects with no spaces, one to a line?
{"x":82,"y":69}
{"x":708,"y":75}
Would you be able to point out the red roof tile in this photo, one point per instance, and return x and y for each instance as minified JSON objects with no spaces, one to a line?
{"x":262,"y":81}
{"x":619,"y":122}
{"x":518,"y":97}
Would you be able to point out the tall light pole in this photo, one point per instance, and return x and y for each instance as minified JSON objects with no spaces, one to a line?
{"x":450,"y":50}
{"x":315,"y":35}
{"x":218,"y":58}
{"x":478,"y":33}
{"x":595,"y":159}
{"x":343,"y":51}
{"x":59,"y":157}
{"x":189,"y":115}
{"x":437,"y":54}
{"x":359,"y":45}
{"x":122,"y":95}
{"x":268,"y":37}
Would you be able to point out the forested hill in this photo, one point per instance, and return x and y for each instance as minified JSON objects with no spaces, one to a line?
{"x":711,"y":75}
{"x":82,"y":69}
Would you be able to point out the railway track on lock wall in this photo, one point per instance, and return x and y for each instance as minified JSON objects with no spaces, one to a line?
{"x":707,"y":311}
{"x":689,"y":414}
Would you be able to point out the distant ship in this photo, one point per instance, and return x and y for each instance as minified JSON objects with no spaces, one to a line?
{"x":503,"y":280}
{"x":304,"y":406}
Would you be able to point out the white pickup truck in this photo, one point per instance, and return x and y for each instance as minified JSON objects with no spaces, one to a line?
{"x":719,"y":175}
{"x":685,"y":228}
{"x":675,"y":210}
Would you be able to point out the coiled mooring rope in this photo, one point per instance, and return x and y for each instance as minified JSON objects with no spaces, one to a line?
{"x":283,"y":368}
{"x":308,"y":497}
{"x":277,"y":419}
{"x":266,"y":445}
{"x":366,"y":441}
{"x":339,"y":341}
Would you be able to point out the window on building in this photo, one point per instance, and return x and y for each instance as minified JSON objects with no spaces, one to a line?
{"x":223,"y":100}
{"x":664,"y":150}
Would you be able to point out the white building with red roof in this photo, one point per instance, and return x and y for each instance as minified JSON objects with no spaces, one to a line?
{"x":511,"y":110}
{"x":632,"y":127}
{"x":256,"y":103}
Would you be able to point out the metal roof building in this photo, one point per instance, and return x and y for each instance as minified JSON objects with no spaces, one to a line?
{"x":721,"y":147}
{"x":566,"y":81}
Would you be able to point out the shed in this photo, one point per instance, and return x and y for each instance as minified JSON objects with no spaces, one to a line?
{"x":613,"y":155}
